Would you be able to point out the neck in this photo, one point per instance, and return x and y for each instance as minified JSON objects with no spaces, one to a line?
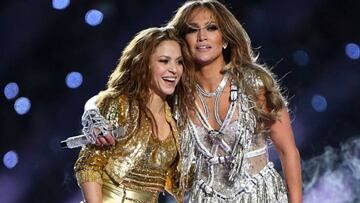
{"x":209,"y":76}
{"x":156,"y":105}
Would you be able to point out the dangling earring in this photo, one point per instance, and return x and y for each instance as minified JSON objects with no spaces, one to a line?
{"x":225,"y":45}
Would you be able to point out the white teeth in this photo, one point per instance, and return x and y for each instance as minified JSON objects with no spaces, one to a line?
{"x":203,"y":47}
{"x":170,"y":79}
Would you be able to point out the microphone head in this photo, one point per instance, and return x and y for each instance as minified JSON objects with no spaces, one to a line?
{"x":63,"y":144}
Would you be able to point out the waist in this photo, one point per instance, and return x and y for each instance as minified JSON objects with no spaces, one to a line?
{"x":143,"y":180}
{"x":221,"y":187}
{"x":118,"y":193}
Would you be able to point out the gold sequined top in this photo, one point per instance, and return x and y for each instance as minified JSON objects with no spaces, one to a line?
{"x":138,"y":161}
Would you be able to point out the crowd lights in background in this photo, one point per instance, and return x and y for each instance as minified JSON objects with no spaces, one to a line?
{"x":10,"y":159}
{"x":301,"y":58}
{"x":11,"y":90}
{"x":74,"y":80}
{"x":60,"y":4}
{"x":352,"y":51}
{"x":22,"y":105}
{"x":94,"y":17}
{"x":319,"y":103}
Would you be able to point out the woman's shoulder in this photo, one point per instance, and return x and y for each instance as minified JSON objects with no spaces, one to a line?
{"x":117,"y":100}
{"x":110,"y":104}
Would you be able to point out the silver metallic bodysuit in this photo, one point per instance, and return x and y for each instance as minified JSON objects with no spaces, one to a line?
{"x":231,"y":164}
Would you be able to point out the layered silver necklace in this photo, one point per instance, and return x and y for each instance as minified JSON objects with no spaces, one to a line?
{"x":202,"y":93}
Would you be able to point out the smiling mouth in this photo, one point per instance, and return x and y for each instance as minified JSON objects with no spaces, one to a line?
{"x":203,"y":47}
{"x":169,"y":78}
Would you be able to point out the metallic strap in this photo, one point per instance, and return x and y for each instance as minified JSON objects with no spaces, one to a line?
{"x":256,"y":152}
{"x":215,"y":135}
{"x":219,"y":88}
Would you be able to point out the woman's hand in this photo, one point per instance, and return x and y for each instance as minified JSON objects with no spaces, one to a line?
{"x":96,"y":128}
{"x":107,"y":139}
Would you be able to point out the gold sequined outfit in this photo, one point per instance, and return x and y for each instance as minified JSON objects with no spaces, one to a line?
{"x":139,"y":166}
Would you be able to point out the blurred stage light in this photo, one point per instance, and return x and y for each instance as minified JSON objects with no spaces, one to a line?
{"x":22,"y":105}
{"x":319,"y":103}
{"x":301,"y":57}
{"x":10,"y":159}
{"x":74,"y":80}
{"x":11,"y":90}
{"x":352,"y":50}
{"x":93,"y":17}
{"x":60,"y":4}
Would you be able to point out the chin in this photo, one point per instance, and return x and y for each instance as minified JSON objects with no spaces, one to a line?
{"x":168,"y":92}
{"x":203,"y":61}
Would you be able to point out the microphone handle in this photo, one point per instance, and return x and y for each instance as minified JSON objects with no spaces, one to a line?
{"x":80,"y":140}
{"x":75,"y":141}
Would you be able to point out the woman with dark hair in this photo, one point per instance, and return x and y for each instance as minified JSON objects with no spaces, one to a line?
{"x":239,"y":109}
{"x":139,"y":97}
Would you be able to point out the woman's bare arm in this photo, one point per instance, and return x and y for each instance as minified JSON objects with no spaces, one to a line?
{"x":92,"y":192}
{"x":283,"y":138}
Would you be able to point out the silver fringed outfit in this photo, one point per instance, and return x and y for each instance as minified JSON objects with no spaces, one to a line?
{"x":230,"y":164}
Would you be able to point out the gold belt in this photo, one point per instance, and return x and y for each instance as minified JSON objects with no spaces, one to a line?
{"x":118,"y":194}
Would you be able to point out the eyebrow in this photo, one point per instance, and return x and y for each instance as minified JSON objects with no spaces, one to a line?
{"x":195,"y":25}
{"x":179,"y":58}
{"x":168,"y":57}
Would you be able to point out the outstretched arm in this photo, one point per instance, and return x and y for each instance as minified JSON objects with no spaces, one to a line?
{"x":283,"y":138}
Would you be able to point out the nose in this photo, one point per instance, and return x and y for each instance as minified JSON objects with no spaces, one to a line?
{"x":201,"y":35}
{"x":173,"y":67}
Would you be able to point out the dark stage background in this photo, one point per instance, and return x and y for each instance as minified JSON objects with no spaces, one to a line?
{"x":52,"y":60}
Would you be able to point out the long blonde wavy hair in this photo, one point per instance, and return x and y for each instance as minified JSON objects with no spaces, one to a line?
{"x":240,"y":59}
{"x":131,"y":76}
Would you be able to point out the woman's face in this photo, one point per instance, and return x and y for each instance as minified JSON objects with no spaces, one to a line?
{"x":166,"y":65}
{"x":204,"y":37}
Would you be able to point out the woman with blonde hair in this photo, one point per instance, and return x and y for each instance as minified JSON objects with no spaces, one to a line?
{"x":239,"y":109}
{"x":139,"y":97}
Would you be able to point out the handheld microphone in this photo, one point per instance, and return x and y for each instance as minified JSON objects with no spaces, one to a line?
{"x":80,"y":140}
{"x":74,"y":141}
